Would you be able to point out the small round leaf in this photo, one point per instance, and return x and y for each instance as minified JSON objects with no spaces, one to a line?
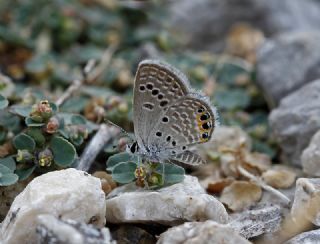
{"x":63,"y":151}
{"x":120,"y":158}
{"x":3,"y":102}
{"x":22,"y":110}
{"x":8,"y":162}
{"x":5,"y":170}
{"x":31,"y":123}
{"x":124,"y":172}
{"x":172,"y":173}
{"x":8,"y":179}
{"x":25,"y":173}
{"x":23,"y":141}
{"x":78,"y":119}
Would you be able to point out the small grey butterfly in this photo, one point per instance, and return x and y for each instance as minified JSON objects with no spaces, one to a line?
{"x":168,"y":116}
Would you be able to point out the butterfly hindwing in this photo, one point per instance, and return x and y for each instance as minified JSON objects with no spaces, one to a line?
{"x":188,"y":121}
{"x":157,"y":84}
{"x":188,"y":157}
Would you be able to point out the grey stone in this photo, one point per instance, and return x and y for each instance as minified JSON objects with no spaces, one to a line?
{"x":251,"y":223}
{"x":206,"y":22}
{"x":286,"y":63}
{"x":310,"y":158}
{"x":185,"y":201}
{"x":306,"y":202}
{"x":309,"y":237}
{"x":296,"y":120}
{"x":57,"y":231}
{"x":201,"y":232}
{"x":69,"y":194}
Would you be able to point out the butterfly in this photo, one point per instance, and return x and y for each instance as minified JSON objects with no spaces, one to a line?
{"x":168,"y":116}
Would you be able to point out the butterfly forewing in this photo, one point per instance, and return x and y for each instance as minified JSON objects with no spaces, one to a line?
{"x":157,"y":85}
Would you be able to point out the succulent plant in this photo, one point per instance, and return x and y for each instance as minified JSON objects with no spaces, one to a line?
{"x":125,"y":168}
{"x":7,"y":175}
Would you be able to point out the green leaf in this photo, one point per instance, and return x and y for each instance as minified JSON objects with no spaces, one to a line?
{"x":5,"y":170}
{"x":124,"y":172}
{"x":78,"y":119}
{"x":63,"y":151}
{"x":23,"y":141}
{"x":54,"y":107}
{"x":25,"y":173}
{"x":172,"y":173}
{"x":31,"y":123}
{"x":37,"y":135}
{"x":8,"y":179}
{"x":22,"y":110}
{"x":232,"y":99}
{"x":120,"y":158}
{"x":8,"y":162}
{"x":3,"y":102}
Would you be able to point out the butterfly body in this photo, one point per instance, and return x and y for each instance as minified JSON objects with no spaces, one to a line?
{"x":169,"y":117}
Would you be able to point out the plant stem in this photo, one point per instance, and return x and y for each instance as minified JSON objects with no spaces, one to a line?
{"x":102,"y":136}
{"x":90,"y":72}
{"x":263,"y":185}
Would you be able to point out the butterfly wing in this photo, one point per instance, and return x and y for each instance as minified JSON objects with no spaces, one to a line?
{"x":156,"y":85}
{"x":188,"y":157}
{"x":188,"y":121}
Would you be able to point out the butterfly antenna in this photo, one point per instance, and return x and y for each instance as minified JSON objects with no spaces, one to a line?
{"x":123,"y":131}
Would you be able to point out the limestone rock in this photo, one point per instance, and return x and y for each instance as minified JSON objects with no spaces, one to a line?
{"x":185,"y":201}
{"x":307,"y":200}
{"x":310,"y":158}
{"x":309,"y":237}
{"x":286,"y":63}
{"x":296,"y":120}
{"x":56,"y":231}
{"x":201,"y":232}
{"x":205,"y":23}
{"x":251,"y":223}
{"x":69,"y":194}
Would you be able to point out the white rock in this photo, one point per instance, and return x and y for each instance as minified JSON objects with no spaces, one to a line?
{"x":69,"y":194}
{"x":251,"y":223}
{"x":309,"y":237}
{"x":185,"y":201}
{"x":307,"y":200}
{"x":201,"y":232}
{"x":310,"y":158}
{"x":54,"y":230}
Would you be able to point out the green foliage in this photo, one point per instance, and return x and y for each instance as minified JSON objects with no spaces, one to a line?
{"x":172,"y":173}
{"x":7,"y":176}
{"x":63,"y":151}
{"x":124,"y":172}
{"x":118,"y":158}
{"x":3,"y":102}
{"x":23,"y":141}
{"x":125,"y":168}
